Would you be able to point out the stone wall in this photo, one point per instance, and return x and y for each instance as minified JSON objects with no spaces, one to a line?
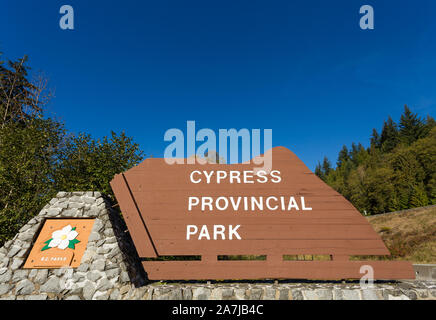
{"x":109,"y":266}
{"x":111,"y":269}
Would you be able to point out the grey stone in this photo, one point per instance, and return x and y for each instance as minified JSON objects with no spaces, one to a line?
{"x":422,"y":293}
{"x":411,"y":294}
{"x":94,"y":236}
{"x":88,"y":200}
{"x":270,"y":294}
{"x":76,"y":198}
{"x":24,"y":287}
{"x":124,"y":289}
{"x":13,"y":251}
{"x":62,"y":205}
{"x":175,"y":294}
{"x":324,"y":294}
{"x":240,"y":294}
{"x":112,"y":240}
{"x":186,"y":294}
{"x":124,"y":277}
{"x":310,"y":294}
{"x":76,"y":205}
{"x":21,"y":253}
{"x":62,"y":194}
{"x":256,"y":294}
{"x":115,"y":295}
{"x":16,"y":263}
{"x":41,"y":276}
{"x":53,"y":212}
{"x":297,"y":294}
{"x":93,"y":275}
{"x":5,"y":276}
{"x":52,"y":285}
{"x":98,"y":225}
{"x":33,"y":273}
{"x":19,"y":275}
{"x":201,"y":293}
{"x":36,"y":297}
{"x":227,"y":293}
{"x":350,"y":294}
{"x":283,"y":294}
{"x":4,"y":262}
{"x":25,"y":236}
{"x":24,"y":228}
{"x":109,"y":232}
{"x":74,"y":212}
{"x":400,"y":297}
{"x":83,"y":267}
{"x":88,"y":290}
{"x":370,"y":294}
{"x":112,"y":273}
{"x":88,"y":255}
{"x":98,"y":265}
{"x":110,"y":266}
{"x":59,"y":272}
{"x":4,"y":288}
{"x":73,"y":297}
{"x":7,"y":244}
{"x":104,"y":284}
{"x":100,"y":296}
{"x":79,"y":276}
{"x":391,"y":292}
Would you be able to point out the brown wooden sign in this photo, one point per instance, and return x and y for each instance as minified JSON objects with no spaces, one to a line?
{"x":216,"y":210}
{"x":60,"y":243}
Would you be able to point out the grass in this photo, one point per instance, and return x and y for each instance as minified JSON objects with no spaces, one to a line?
{"x":408,"y":235}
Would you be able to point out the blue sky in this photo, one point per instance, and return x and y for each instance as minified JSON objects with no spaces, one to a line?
{"x":301,"y":68}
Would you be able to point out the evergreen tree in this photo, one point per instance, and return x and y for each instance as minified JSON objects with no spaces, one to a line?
{"x":343,"y":156}
{"x":326,"y":166}
{"x":392,"y":174}
{"x":389,"y":137}
{"x":430,"y":123}
{"x":19,"y":98}
{"x":411,"y":126}
{"x":318,"y":171}
{"x":375,"y":139}
{"x":418,"y":197}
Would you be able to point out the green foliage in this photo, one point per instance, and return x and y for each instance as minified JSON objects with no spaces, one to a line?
{"x":88,"y":164}
{"x":396,"y":172}
{"x":37,"y":156}
{"x":28,"y":157}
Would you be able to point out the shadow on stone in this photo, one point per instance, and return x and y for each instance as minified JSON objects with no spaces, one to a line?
{"x":137,"y":274}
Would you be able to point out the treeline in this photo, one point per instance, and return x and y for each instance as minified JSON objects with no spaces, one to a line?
{"x":396,"y":172}
{"x":38,"y":157}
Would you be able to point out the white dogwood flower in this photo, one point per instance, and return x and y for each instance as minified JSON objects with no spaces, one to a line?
{"x":61,"y":238}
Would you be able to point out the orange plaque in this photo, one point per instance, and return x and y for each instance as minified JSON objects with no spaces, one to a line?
{"x":61,"y":243}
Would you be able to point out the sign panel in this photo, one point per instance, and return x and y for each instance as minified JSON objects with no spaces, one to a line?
{"x":61,"y":243}
{"x":216,"y":210}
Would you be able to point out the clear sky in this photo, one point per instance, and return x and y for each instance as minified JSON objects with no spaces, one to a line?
{"x":302,"y":68}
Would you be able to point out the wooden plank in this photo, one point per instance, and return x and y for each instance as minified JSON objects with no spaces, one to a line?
{"x":262,"y":247}
{"x":132,"y":217}
{"x":267,"y":232}
{"x":239,"y":270}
